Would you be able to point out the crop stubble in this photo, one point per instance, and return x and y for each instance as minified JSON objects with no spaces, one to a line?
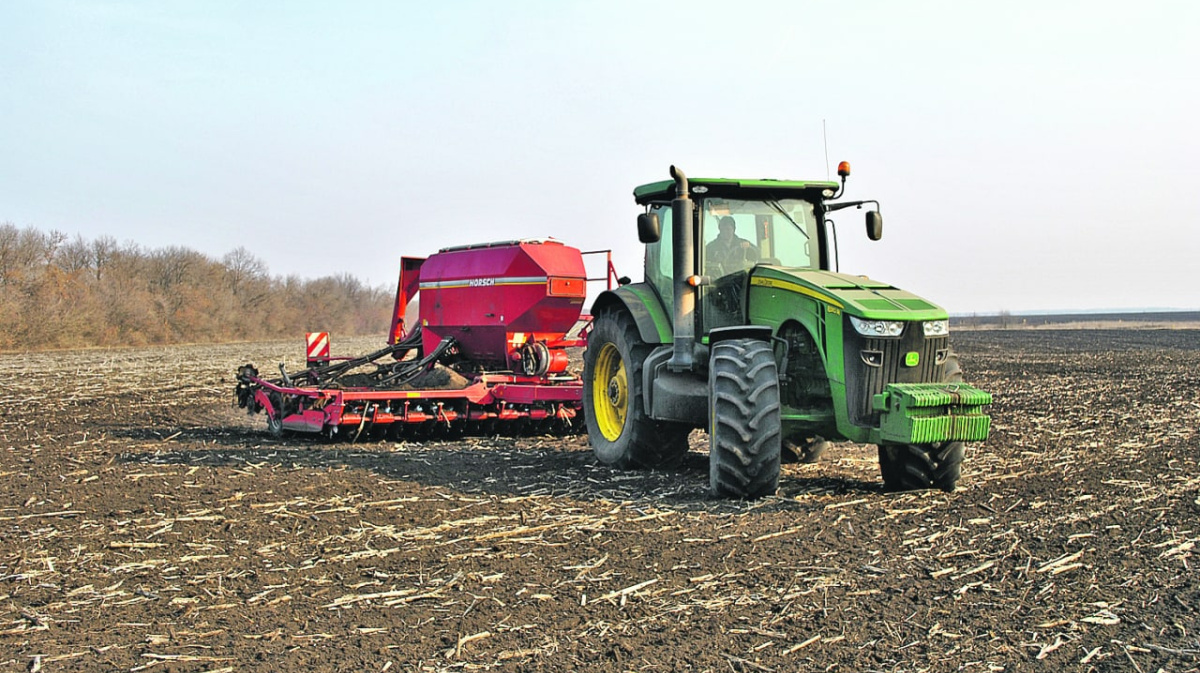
{"x":148,"y":525}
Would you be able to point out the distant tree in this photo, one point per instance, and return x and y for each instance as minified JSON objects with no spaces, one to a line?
{"x":103,"y":251}
{"x":25,"y":252}
{"x":1005,"y":319}
{"x":56,"y":292}
{"x":74,"y":255}
{"x":243,"y":269}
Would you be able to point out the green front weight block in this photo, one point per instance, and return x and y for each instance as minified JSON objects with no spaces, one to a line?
{"x":928,"y":413}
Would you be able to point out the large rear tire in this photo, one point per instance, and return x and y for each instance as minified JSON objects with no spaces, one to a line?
{"x":913,"y":467}
{"x":744,"y":423}
{"x":620,"y":432}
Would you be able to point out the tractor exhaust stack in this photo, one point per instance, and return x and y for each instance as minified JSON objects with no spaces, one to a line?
{"x":684,"y":263}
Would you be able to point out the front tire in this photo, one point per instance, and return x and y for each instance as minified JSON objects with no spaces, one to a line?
{"x":620,"y":432}
{"x":744,"y":423}
{"x":912,"y":467}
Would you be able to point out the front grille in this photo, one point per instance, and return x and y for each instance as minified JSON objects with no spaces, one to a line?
{"x":886,"y":365}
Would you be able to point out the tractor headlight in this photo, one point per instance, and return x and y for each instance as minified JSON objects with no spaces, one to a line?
{"x":877,"y":328}
{"x":935,"y":328}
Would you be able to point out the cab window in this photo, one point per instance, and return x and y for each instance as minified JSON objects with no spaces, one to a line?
{"x":660,"y":270}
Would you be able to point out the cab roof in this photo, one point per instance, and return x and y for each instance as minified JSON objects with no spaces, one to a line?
{"x":732,"y":187}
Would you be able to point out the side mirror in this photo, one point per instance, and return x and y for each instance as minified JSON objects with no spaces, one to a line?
{"x":649,"y":228}
{"x":874,"y":225}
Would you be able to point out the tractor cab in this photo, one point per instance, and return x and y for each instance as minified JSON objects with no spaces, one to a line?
{"x":737,"y":225}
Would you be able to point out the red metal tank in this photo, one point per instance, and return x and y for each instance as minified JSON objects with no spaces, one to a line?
{"x":494,"y":297}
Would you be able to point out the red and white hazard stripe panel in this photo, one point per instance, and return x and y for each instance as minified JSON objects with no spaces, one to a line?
{"x":318,"y":347}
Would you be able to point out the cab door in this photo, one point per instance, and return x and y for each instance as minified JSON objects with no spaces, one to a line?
{"x":660,"y":269}
{"x":722,"y":302}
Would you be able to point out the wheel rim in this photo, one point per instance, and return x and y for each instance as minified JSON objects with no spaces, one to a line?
{"x":610,"y":393}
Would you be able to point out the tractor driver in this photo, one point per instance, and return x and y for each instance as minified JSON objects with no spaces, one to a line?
{"x":729,"y":253}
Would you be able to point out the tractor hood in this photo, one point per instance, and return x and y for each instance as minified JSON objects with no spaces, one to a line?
{"x":856,"y":295}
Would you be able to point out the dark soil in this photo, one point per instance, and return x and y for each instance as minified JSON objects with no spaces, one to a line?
{"x":145,"y":524}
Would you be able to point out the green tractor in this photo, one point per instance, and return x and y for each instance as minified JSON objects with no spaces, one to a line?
{"x":743,"y":327}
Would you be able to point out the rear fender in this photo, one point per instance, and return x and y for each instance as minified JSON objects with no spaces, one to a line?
{"x":643,"y":304}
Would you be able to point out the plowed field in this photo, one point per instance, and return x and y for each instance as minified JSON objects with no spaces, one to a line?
{"x":145,"y":524}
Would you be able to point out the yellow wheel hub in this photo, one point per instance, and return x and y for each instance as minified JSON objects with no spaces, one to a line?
{"x":610,"y":392}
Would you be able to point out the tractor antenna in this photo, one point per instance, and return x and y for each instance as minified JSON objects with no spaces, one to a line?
{"x":825,"y":137}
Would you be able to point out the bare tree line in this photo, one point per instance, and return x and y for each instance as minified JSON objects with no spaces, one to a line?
{"x":58,"y":292}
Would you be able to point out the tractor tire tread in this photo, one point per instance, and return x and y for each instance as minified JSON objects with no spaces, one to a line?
{"x":912,"y":467}
{"x":745,"y":428}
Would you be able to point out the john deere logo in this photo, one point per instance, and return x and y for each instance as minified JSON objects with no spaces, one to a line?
{"x":912,"y":359}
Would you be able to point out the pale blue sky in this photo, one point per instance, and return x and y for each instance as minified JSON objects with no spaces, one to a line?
{"x":1028,"y":155}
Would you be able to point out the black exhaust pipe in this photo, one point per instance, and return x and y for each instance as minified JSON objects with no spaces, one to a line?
{"x":683,"y":260}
